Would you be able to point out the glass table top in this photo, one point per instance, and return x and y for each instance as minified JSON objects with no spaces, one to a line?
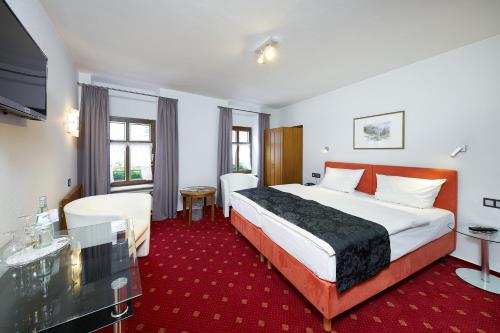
{"x":464,"y":230}
{"x":72,"y":282}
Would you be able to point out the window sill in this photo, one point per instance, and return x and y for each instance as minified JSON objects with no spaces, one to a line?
{"x":132,"y":188}
{"x":243,"y":171}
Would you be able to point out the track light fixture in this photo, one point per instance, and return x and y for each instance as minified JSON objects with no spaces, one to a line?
{"x":266,"y":52}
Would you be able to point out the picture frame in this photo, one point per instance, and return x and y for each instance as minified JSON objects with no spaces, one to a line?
{"x":380,"y":131}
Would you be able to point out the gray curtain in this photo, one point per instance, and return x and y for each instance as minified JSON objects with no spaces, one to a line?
{"x":263,"y":125}
{"x":166,"y":176}
{"x":224,"y":158}
{"x":93,"y":141}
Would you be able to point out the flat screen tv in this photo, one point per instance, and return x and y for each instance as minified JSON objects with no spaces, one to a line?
{"x":23,"y":69}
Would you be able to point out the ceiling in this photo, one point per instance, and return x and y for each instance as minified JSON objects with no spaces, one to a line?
{"x":207,"y":46}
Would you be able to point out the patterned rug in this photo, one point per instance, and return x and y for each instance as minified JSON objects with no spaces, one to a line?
{"x":207,"y":279}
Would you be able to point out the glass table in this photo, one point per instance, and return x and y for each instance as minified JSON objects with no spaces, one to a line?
{"x":480,"y":279}
{"x":86,"y":285}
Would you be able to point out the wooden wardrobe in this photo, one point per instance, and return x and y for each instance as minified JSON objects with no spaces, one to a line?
{"x":283,"y":155}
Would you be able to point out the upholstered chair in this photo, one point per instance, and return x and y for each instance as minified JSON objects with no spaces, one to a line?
{"x":136,"y":207}
{"x":234,"y":182}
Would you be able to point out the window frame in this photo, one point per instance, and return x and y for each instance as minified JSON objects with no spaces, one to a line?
{"x":127,"y":141}
{"x":237,"y":157}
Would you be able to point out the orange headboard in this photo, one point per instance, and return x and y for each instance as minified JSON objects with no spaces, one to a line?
{"x":446,"y":199}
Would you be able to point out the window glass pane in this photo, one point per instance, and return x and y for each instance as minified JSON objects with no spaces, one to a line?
{"x":244,"y":137}
{"x":117,"y":161}
{"x":234,"y":156}
{"x":140,"y":161}
{"x":140,"y":132}
{"x":116,"y":131}
{"x":244,"y":157}
{"x":234,"y":136}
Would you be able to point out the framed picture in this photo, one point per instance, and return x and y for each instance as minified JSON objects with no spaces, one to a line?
{"x":381,"y":131}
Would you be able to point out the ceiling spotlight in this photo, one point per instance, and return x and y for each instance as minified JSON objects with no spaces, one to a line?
{"x":270,"y":52}
{"x":266,"y":52}
{"x":261,"y":58}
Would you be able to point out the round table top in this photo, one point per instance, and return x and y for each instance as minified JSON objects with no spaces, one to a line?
{"x":464,"y":230}
{"x":197,"y":190}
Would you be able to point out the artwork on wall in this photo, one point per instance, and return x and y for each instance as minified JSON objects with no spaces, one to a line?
{"x":382,"y":131}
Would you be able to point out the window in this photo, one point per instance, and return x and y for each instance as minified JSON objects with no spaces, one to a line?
{"x":132,"y":146}
{"x":242,"y":149}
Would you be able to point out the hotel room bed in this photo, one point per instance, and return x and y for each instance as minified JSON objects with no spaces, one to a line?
{"x":309,"y":263}
{"x":317,"y":255}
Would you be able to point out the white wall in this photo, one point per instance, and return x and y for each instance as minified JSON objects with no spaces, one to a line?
{"x":198,"y":131}
{"x":449,"y":99}
{"x":37,"y":158}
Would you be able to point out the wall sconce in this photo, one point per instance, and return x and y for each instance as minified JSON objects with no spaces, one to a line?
{"x":71,"y":125}
{"x":325,"y":150}
{"x":459,"y":149}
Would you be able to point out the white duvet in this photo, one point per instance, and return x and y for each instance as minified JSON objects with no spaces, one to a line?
{"x":395,"y":218}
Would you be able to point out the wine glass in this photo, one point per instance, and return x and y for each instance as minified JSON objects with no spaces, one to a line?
{"x":29,"y":228}
{"x":13,"y":245}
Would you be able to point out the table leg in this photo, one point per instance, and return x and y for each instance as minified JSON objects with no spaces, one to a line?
{"x":213,"y":208}
{"x":183,"y":207}
{"x":485,"y":261}
{"x":190,"y":210}
{"x":117,"y":327}
{"x":481,"y":279}
{"x":204,"y":204}
{"x":119,"y":287}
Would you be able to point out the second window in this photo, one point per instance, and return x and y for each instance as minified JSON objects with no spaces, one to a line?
{"x":242,"y":149}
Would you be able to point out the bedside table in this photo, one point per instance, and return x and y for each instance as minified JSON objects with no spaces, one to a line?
{"x":480,"y":279}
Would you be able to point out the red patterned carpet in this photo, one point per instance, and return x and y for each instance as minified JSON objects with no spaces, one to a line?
{"x":207,"y":279}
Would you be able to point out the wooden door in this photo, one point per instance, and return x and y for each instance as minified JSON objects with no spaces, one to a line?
{"x":267,"y":157}
{"x":273,"y":141}
{"x":292,"y":155}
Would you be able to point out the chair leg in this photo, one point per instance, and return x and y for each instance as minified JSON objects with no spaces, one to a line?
{"x":143,"y":249}
{"x":327,"y":324}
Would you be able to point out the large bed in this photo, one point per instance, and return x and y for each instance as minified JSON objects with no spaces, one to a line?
{"x":418,"y":237}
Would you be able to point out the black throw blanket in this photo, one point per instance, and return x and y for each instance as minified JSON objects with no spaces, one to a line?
{"x":362,"y":248}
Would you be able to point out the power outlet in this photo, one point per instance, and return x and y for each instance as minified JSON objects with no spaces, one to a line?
{"x":492,"y":203}
{"x":316,"y":175}
{"x":69,"y":182}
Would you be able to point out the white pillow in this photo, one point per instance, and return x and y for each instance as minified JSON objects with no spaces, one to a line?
{"x":343,"y":180}
{"x":413,"y":192}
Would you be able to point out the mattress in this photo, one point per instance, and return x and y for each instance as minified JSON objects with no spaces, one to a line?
{"x":319,"y":256}
{"x":247,"y":208}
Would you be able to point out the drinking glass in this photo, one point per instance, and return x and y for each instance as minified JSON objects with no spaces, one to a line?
{"x":30,"y":233}
{"x":13,"y":246}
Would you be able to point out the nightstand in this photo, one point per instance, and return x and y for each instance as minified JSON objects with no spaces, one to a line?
{"x":480,"y":278}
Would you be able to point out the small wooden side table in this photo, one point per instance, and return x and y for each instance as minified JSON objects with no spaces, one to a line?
{"x":197,"y":192}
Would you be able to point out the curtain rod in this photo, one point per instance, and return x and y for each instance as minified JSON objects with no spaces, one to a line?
{"x":150,"y":95}
{"x":123,"y":90}
{"x":243,"y":110}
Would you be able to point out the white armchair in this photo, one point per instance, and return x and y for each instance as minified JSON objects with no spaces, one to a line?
{"x":234,"y":182}
{"x":110,"y":207}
